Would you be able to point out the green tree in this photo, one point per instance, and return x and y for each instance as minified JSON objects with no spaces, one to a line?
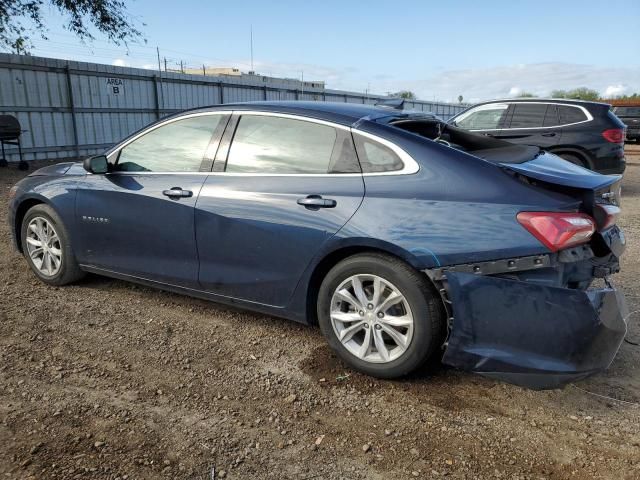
{"x":406,"y":94}
{"x":460,"y":98}
{"x":582,"y":93}
{"x":20,"y":19}
{"x":527,"y":95}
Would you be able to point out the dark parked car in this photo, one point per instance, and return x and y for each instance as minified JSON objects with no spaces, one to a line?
{"x":630,"y":116}
{"x":401,"y":236}
{"x":584,"y":133}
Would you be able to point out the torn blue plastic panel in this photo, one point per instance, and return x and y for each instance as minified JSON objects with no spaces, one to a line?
{"x":532,"y":335}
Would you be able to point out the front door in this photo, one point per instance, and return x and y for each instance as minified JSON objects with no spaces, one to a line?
{"x":486,"y":119}
{"x":289,"y":185}
{"x":139,"y":218}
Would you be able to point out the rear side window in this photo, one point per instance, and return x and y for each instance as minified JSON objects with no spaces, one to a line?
{"x":528,"y":115}
{"x":568,"y":114}
{"x":265,"y":144}
{"x":178,"y":146}
{"x":375,"y":157}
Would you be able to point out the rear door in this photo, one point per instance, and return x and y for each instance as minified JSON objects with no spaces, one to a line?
{"x":139,"y":218}
{"x":532,"y":123}
{"x":282,"y":188}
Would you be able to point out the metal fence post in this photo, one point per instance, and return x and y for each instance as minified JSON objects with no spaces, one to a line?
{"x":72,"y":107}
{"x":221,"y":91}
{"x":155,"y":96}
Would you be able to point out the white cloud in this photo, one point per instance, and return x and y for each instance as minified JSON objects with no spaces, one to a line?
{"x":540,"y":79}
{"x":118,"y":62}
{"x":474,"y":84}
{"x":615,"y":90}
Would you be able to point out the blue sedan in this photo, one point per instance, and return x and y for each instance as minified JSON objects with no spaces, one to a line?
{"x":402,"y":237}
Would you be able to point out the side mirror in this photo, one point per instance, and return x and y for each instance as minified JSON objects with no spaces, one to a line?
{"x":97,"y":164}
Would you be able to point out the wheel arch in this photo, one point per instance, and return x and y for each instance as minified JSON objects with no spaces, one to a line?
{"x":575,"y":151}
{"x":332,"y":258}
{"x":23,"y":207}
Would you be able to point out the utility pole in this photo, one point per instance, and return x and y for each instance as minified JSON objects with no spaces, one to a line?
{"x":204,"y":70}
{"x":181,"y":67}
{"x":251,"y":41}
{"x":159,"y":67}
{"x":160,"y":103}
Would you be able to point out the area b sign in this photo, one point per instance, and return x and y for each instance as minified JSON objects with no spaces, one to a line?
{"x":115,"y":86}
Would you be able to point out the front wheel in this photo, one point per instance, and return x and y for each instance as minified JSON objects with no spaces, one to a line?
{"x":46,"y":246}
{"x":380,"y":315}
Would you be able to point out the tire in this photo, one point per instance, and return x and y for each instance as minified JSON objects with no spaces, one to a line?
{"x":576,"y":160}
{"x":66,"y":270}
{"x":420,"y":301}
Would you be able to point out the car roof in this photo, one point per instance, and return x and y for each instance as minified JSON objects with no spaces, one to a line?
{"x":545,"y":100}
{"x":337,"y":112}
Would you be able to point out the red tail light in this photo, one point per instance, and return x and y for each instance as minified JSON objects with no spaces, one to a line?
{"x":614,"y":135}
{"x":558,"y":230}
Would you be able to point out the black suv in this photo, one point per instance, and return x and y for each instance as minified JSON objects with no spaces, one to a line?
{"x":630,"y":116}
{"x":585,"y":133}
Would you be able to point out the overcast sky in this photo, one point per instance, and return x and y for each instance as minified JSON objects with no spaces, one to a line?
{"x":478,"y":49}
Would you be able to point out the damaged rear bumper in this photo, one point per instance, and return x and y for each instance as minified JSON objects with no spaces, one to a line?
{"x":529,"y":334}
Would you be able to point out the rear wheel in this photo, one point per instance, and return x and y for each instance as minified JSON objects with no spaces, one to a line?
{"x":380,"y":315}
{"x":45,"y":244}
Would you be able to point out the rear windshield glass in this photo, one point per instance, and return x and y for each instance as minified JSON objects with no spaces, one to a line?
{"x":488,"y":148}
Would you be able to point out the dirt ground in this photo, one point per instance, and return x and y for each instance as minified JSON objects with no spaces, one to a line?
{"x":106,"y":379}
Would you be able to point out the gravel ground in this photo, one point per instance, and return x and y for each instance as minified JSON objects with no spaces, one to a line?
{"x":106,"y":379}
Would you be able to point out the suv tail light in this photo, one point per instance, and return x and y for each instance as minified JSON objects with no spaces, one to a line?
{"x":558,"y":230}
{"x":614,"y":135}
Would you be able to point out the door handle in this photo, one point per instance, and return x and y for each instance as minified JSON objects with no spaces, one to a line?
{"x":550,"y":134}
{"x":316,"y":202}
{"x":177,"y":192}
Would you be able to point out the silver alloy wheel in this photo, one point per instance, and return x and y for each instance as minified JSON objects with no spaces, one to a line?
{"x":43,"y":246}
{"x":371,"y":318}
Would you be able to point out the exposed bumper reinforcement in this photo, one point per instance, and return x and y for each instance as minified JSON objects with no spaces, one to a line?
{"x":532,"y":335}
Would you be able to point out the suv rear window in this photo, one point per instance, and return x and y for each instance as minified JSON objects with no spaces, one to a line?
{"x":570,"y":114}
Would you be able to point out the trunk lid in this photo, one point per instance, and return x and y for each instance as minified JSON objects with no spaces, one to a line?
{"x":551,"y":169}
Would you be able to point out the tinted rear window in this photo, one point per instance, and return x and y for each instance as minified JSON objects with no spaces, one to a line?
{"x":528,"y":115}
{"x":570,"y":114}
{"x":375,"y":157}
